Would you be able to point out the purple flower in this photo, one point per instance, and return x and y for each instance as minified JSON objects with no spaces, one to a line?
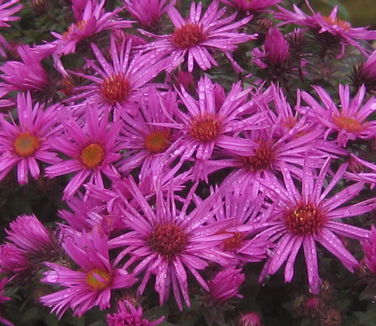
{"x":7,"y":9}
{"x":365,"y":73}
{"x":12,"y":259}
{"x":30,"y":235}
{"x":251,"y":5}
{"x":92,"y":284}
{"x":90,"y":20}
{"x":129,"y":315}
{"x":331,"y":24}
{"x":198,"y":34}
{"x":28,"y":75}
{"x":147,"y":12}
{"x":225,"y":285}
{"x":250,"y":319}
{"x":3,"y":299}
{"x":24,"y":143}
{"x":121,"y":82}
{"x":349,"y":119}
{"x":164,"y":240}
{"x":369,"y":248}
{"x":304,"y":217}
{"x":92,"y":150}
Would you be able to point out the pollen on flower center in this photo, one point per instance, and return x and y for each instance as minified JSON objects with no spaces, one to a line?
{"x":261,"y":160}
{"x":187,"y":36}
{"x":348,"y":124}
{"x":92,"y":155}
{"x":26,"y":144}
{"x":338,"y":22}
{"x":115,"y":89}
{"x":205,"y":128}
{"x":157,"y":141}
{"x":168,"y":239}
{"x":98,"y":279}
{"x":304,"y":219}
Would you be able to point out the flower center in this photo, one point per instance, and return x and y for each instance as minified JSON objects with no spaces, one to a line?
{"x":234,"y":242}
{"x":26,"y":144}
{"x":261,"y":160}
{"x":205,"y":127}
{"x":348,"y":124}
{"x":92,"y":155}
{"x":187,"y":36}
{"x":304,"y":219}
{"x":98,"y":279}
{"x":157,"y":141}
{"x":338,"y":22}
{"x":115,"y":89}
{"x":81,"y":25}
{"x":168,"y":239}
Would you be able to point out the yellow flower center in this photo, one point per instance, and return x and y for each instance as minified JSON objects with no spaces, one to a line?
{"x":92,"y":155}
{"x":26,"y":144}
{"x":98,"y":279}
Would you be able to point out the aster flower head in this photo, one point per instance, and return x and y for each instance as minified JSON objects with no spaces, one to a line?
{"x":28,"y":75}
{"x":147,"y":13}
{"x":349,"y":120}
{"x":12,"y":259}
{"x":129,"y":315}
{"x":369,"y":248}
{"x":120,"y":82}
{"x":365,"y":73}
{"x":92,"y":20}
{"x":92,"y":150}
{"x":29,"y":140}
{"x":251,"y":5}
{"x":302,"y":218}
{"x":341,"y":30}
{"x":89,"y":286}
{"x":199,"y":35}
{"x":169,"y":242}
{"x":30,"y":235}
{"x":210,"y":121}
{"x":7,"y":9}
{"x":225,"y":285}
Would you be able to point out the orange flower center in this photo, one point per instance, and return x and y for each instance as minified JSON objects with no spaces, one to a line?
{"x":338,"y":22}
{"x":168,"y":239}
{"x":81,"y":25}
{"x":92,"y":155}
{"x":157,"y":141}
{"x":26,"y":144}
{"x":234,"y":242}
{"x":205,"y":128}
{"x":187,"y":36}
{"x":98,"y":279}
{"x":261,"y":160}
{"x":304,"y":219}
{"x":348,"y":124}
{"x":115,"y":89}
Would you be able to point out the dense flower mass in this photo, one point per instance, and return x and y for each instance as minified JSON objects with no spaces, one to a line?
{"x":192,"y":163}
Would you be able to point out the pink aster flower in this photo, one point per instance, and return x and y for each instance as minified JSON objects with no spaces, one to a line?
{"x":143,"y":138}
{"x":331,"y":25}
{"x":28,"y":75}
{"x":251,"y":5}
{"x":30,"y":235}
{"x":92,"y":20}
{"x":210,"y":121}
{"x":147,"y":12}
{"x":365,"y":73}
{"x":302,"y":218}
{"x":4,"y":299}
{"x":369,"y":248}
{"x":169,"y":242}
{"x":349,"y":120}
{"x":198,"y":36}
{"x":29,"y":140}
{"x":7,"y":9}
{"x":129,"y":315}
{"x":226,"y":284}
{"x":91,"y":149}
{"x":89,"y":286}
{"x":13,"y":260}
{"x":120,"y":82}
